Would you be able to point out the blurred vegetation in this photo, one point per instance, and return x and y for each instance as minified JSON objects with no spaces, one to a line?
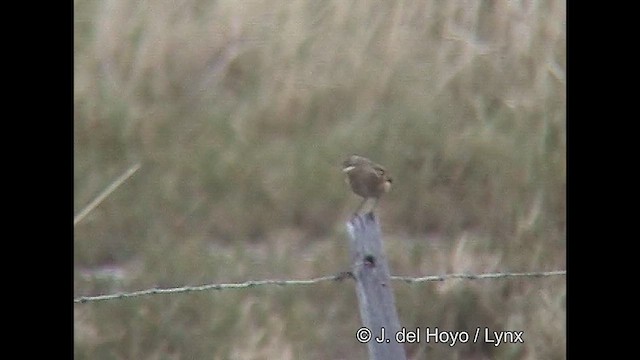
{"x":240,"y":113}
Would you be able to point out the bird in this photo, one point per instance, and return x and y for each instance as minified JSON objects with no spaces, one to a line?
{"x":366,"y":178}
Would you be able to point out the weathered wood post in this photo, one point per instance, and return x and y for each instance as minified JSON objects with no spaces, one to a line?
{"x":373,"y":287}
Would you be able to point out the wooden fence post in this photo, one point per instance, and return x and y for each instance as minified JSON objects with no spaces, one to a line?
{"x":373,"y":287}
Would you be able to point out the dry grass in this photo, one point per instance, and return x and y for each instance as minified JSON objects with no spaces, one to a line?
{"x":240,"y":113}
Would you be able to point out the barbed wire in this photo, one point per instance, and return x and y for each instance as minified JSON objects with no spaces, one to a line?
{"x":478,"y":276}
{"x":337,"y":277}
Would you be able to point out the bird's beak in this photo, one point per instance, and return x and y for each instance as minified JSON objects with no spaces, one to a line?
{"x":387,"y":186}
{"x":348,"y":168}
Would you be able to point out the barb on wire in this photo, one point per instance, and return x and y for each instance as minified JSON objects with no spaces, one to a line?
{"x":337,"y":277}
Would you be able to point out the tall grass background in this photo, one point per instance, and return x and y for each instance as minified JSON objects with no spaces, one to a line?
{"x":240,"y":113}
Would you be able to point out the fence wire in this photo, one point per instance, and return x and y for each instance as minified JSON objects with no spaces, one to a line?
{"x":337,"y":277}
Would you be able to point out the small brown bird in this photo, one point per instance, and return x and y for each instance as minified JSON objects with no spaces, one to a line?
{"x":366,"y":178}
